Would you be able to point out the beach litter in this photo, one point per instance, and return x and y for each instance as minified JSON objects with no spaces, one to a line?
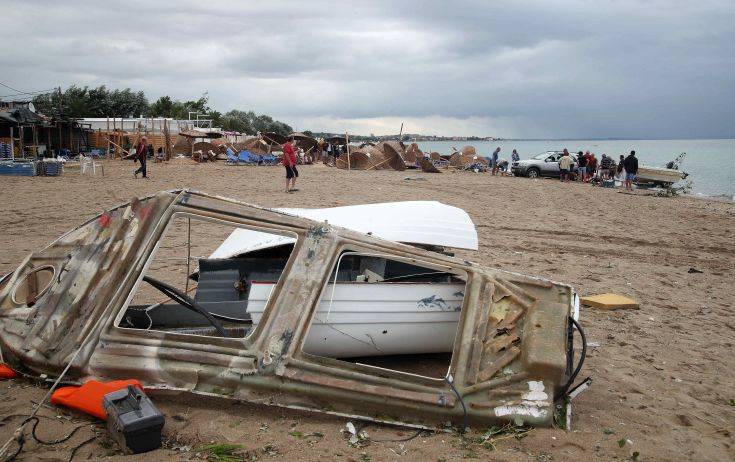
{"x":355,"y":438}
{"x":610,"y":302}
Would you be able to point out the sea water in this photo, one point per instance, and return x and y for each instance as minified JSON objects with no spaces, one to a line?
{"x":710,"y":163}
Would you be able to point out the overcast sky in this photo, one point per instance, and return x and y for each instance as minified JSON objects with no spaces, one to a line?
{"x":534,"y":69}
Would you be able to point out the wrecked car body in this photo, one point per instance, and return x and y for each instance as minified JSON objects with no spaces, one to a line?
{"x":76,"y":301}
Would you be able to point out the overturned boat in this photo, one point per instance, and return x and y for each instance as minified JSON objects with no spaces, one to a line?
{"x":158,"y":289}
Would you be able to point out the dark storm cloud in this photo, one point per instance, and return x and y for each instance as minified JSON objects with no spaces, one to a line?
{"x":574,"y":68}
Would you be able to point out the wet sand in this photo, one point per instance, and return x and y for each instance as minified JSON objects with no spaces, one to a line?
{"x":663,"y":375}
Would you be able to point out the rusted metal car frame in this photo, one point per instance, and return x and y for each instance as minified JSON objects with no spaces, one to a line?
{"x":511,"y":356}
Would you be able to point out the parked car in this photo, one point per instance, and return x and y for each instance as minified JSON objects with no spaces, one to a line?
{"x":543,"y":164}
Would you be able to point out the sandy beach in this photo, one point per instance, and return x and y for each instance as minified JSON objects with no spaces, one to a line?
{"x":663,"y":375}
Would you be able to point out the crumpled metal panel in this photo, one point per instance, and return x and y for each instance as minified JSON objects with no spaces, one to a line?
{"x":509,"y":357}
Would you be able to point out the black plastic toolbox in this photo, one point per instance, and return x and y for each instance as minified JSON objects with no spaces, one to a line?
{"x":133,"y":420}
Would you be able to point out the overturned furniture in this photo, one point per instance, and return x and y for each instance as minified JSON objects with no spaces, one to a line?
{"x":86,"y":299}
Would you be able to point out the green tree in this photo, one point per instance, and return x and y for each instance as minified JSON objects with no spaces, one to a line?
{"x":238,"y":121}
{"x":162,"y":107}
{"x":81,"y":102}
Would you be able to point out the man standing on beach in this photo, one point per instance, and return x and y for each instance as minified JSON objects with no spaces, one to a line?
{"x":141,"y":152}
{"x":289,"y":161}
{"x":621,"y":169}
{"x":494,"y":161}
{"x":565,"y":165}
{"x":631,"y":169}
{"x":605,"y":165}
{"x":582,"y":164}
{"x":591,"y":166}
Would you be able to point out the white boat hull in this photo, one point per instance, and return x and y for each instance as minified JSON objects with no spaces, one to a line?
{"x":659,"y":175}
{"x":414,"y":222}
{"x":372,"y":319}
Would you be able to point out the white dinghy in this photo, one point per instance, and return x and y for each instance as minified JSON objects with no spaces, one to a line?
{"x":373,"y":305}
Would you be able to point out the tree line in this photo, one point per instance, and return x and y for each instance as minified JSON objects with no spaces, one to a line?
{"x":80,"y":102}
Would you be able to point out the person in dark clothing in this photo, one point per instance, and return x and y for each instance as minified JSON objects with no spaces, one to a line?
{"x":631,"y":170}
{"x":621,"y":164}
{"x":141,"y":152}
{"x":605,"y":166}
{"x":150,"y":151}
{"x":494,"y":161}
{"x":582,"y":165}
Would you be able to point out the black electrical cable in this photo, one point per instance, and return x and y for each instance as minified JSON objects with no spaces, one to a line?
{"x":79,"y":446}
{"x":21,"y":442}
{"x":50,"y":443}
{"x":564,"y":391}
{"x":36,"y":420}
{"x":461,"y":401}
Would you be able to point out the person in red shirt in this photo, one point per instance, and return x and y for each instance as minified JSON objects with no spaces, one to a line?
{"x":289,"y":161}
{"x":141,"y":152}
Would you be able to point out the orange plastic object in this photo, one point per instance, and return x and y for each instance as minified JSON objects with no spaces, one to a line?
{"x":88,"y":397}
{"x":6,"y":372}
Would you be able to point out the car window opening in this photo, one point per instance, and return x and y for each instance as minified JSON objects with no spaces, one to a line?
{"x":388,"y":313}
{"x":185,"y":291}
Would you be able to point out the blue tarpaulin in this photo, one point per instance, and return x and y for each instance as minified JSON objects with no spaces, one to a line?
{"x":248,"y":157}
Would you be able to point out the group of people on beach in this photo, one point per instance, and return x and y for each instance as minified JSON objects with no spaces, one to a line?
{"x":589,"y":170}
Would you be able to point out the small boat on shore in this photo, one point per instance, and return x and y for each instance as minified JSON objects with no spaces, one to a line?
{"x":664,"y":177}
{"x":659,"y":176}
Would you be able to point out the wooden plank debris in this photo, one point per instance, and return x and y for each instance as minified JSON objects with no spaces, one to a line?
{"x":610,"y":302}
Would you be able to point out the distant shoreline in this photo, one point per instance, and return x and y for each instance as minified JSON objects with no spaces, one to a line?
{"x":615,"y":139}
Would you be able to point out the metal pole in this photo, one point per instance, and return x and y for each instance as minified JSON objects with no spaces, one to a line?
{"x":188,"y":254}
{"x":347,"y":140}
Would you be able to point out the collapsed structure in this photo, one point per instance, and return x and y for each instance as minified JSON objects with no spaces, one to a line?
{"x":89,"y":300}
{"x":394,"y":155}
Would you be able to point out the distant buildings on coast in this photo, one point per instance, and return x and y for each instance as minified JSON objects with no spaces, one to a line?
{"x":410,"y":137}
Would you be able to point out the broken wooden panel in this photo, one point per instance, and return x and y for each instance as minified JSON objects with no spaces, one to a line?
{"x":427,"y":166}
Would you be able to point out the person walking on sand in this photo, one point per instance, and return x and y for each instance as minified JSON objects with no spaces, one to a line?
{"x":141,"y":154}
{"x":631,"y":169}
{"x":494,"y":161}
{"x":289,"y":161}
{"x":565,"y":165}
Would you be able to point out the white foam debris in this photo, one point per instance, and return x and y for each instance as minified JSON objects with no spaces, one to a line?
{"x":535,"y":403}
